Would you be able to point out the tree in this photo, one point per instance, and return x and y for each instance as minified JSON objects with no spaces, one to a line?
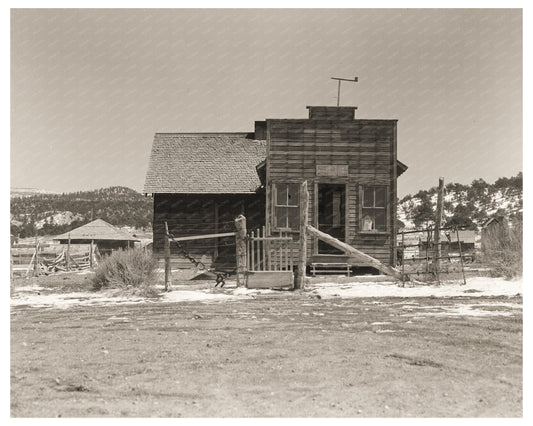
{"x":423,"y":214}
{"x":462,"y":217}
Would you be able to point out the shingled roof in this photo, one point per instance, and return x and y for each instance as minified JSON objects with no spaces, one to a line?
{"x":193,"y":163}
{"x":96,"y":230}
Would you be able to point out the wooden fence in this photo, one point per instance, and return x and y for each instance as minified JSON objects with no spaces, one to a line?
{"x":268,"y":253}
{"x":42,"y":258}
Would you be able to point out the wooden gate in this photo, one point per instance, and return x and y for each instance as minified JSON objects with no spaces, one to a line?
{"x":269,"y":260}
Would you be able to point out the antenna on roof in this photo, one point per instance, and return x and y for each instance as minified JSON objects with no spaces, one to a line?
{"x":339,"y":89}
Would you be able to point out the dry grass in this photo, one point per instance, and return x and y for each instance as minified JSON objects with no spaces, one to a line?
{"x":502,"y":250}
{"x":133,"y":270}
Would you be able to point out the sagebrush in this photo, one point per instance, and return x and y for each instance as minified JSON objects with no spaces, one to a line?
{"x":133,"y":269}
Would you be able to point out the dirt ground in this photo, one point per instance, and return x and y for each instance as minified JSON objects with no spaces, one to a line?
{"x":276,"y":354}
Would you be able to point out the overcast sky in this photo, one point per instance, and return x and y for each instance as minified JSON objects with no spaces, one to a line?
{"x":89,"y":88}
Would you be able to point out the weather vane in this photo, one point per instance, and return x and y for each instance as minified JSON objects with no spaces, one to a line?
{"x":339,"y":89}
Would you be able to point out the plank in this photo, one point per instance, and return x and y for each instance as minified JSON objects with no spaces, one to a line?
{"x":202,"y":237}
{"x":270,"y":279}
{"x":370,"y":261}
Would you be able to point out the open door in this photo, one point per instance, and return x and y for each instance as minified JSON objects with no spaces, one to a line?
{"x":331,"y":214}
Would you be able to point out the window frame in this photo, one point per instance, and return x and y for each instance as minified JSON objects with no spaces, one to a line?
{"x":287,"y":206}
{"x":385,"y":208}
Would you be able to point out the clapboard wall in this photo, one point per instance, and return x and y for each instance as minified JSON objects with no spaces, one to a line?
{"x":200,"y":214}
{"x":366,"y":150}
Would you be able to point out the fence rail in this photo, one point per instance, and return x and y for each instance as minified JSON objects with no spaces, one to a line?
{"x":31,"y":260}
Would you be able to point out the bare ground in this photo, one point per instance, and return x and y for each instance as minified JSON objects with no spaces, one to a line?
{"x":287,"y":354}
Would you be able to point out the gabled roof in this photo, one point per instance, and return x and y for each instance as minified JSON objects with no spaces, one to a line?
{"x":400,"y":168}
{"x":96,"y":230}
{"x":209,"y":163}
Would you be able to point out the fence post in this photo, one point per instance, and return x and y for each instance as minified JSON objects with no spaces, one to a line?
{"x":302,"y":256}
{"x":240,"y":246}
{"x":403,"y":257}
{"x":167,"y":258}
{"x":67,"y":257}
{"x":461,"y":255}
{"x":91,"y":251}
{"x":36,"y":264}
{"x":438,"y":219}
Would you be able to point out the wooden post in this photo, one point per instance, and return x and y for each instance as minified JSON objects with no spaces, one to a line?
{"x":403,"y":256}
{"x":67,"y":256}
{"x":168,"y":271}
{"x":36,"y":264}
{"x":461,"y":256}
{"x":304,"y":217}
{"x":91,"y":254}
{"x":438,"y":219}
{"x":240,"y":245}
{"x":215,"y":250}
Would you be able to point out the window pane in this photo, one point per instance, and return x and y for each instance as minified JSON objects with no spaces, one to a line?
{"x":281,"y":217}
{"x":368,"y":197}
{"x":294,"y":218}
{"x":294,"y":194}
{"x":381,"y":220}
{"x":380,"y":196}
{"x":281,"y":198}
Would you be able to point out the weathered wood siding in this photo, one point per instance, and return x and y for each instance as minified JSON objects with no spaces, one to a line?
{"x":367,"y":147}
{"x":197,"y":214}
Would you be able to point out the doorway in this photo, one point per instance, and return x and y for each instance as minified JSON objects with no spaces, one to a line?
{"x":331,"y":214}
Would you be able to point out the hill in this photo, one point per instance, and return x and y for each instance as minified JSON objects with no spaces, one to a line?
{"x":27,"y":192}
{"x":53,"y":214}
{"x":464,"y":205}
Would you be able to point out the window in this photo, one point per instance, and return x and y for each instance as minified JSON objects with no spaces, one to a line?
{"x":286,"y":206}
{"x":373,"y":209}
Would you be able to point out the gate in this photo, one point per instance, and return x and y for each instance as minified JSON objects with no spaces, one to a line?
{"x":269,"y":260}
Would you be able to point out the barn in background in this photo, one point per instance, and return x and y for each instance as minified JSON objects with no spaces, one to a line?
{"x":201,"y":181}
{"x":104,"y":235}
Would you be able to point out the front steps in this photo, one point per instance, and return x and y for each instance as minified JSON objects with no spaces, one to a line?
{"x":330,"y":268}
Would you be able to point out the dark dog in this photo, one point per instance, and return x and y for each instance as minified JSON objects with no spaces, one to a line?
{"x":221,"y":279}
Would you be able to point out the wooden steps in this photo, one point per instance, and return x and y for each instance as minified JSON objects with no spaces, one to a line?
{"x":330,"y":268}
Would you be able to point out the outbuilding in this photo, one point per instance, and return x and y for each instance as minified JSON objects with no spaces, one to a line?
{"x":105,"y":236}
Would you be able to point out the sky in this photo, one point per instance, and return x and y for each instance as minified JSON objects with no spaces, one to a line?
{"x":90,"y":87}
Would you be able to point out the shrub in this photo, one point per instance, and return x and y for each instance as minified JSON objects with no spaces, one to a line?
{"x":133,"y":269}
{"x":502,"y":249}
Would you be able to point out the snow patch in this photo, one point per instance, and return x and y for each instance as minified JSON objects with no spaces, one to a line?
{"x":482,"y":287}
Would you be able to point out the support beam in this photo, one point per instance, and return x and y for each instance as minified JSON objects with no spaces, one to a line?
{"x":369,"y":260}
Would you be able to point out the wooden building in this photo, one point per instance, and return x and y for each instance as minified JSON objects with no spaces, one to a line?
{"x":200,"y":182}
{"x":104,"y":235}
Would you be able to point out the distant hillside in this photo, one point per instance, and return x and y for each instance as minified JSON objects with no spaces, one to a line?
{"x":464,"y":205}
{"x":27,"y":192}
{"x":53,"y":214}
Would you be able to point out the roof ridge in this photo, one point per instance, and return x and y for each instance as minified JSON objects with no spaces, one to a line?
{"x":204,"y":133}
